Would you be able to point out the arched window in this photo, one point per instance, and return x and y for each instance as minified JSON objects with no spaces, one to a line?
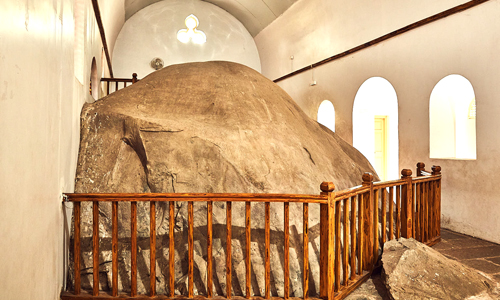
{"x":375,"y":126}
{"x":326,"y":115}
{"x":452,"y":117}
{"x":94,"y":86}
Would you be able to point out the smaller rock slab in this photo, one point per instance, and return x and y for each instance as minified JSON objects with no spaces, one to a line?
{"x":412,"y":270}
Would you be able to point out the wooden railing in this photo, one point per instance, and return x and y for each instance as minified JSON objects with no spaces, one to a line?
{"x":350,"y":240}
{"x":119,"y":83}
{"x":426,"y":202}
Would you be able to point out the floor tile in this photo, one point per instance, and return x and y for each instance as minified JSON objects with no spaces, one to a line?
{"x":471,"y":253}
{"x":449,"y":235}
{"x":468,"y":242}
{"x":482,"y":265}
{"x":443,"y":245}
{"x":495,"y":260}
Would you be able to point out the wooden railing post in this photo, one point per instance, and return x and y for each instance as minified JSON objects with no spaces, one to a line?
{"x":209,"y":252}
{"x":420,"y":168}
{"x":152,"y":248}
{"x":76,"y":240}
{"x":406,"y":204}
{"x":327,"y":242}
{"x":436,"y":170}
{"x":133,"y":249}
{"x":368,"y":227}
{"x":95,"y":248}
{"x":134,"y":78}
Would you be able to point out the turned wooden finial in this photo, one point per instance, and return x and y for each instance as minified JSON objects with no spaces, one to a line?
{"x":406,"y":173}
{"x":367,"y":178}
{"x":327,"y":187}
{"x":420,"y":168}
{"x":436,"y":170}
{"x":134,"y":77}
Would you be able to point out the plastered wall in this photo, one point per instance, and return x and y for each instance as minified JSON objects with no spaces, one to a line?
{"x":152,"y":32}
{"x":466,"y":43}
{"x":40,"y":104}
{"x":113,"y":13}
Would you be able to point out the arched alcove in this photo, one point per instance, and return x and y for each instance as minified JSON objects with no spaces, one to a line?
{"x":153,"y":32}
{"x":452,"y":117}
{"x":326,"y":115}
{"x":94,"y":86}
{"x":375,"y":126}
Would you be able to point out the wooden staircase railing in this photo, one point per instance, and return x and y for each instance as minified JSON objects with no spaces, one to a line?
{"x":110,"y":88}
{"x":350,"y":241}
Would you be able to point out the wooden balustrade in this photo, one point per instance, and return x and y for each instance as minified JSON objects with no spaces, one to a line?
{"x":119,"y":83}
{"x":350,"y":240}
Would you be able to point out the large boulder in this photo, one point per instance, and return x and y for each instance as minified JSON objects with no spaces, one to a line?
{"x":208,"y":127}
{"x":411,"y":270}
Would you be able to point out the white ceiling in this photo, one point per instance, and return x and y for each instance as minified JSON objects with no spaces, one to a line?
{"x":255,"y":15}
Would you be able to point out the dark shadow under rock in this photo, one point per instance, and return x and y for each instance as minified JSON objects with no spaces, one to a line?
{"x":372,"y":289}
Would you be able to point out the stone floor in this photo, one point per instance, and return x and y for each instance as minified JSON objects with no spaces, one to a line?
{"x":473,"y":252}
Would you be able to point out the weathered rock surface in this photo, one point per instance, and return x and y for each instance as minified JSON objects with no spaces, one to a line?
{"x":207,"y":127}
{"x":411,"y":270}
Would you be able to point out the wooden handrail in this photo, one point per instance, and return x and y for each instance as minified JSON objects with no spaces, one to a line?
{"x":220,"y":197}
{"x":425,"y":178}
{"x":386,"y":184}
{"x":107,"y":81}
{"x":116,"y":79}
{"x":350,"y":240}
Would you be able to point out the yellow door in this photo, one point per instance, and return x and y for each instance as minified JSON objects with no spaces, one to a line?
{"x":381,"y":146}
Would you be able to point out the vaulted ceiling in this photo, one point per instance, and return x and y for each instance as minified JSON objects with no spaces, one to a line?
{"x":255,"y":15}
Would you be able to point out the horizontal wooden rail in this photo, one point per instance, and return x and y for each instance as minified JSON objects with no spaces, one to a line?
{"x":117,"y":79}
{"x":425,"y":178}
{"x":349,"y":192}
{"x":76,"y":197}
{"x":106,"y":82}
{"x":354,"y":224}
{"x":386,"y":184}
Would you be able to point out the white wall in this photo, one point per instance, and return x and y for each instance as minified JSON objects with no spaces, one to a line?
{"x":414,"y":62}
{"x":113,"y":18}
{"x":312,"y":30}
{"x":152,"y":32}
{"x":40,"y":103}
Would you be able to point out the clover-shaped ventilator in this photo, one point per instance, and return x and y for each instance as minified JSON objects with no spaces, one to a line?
{"x":191,"y":33}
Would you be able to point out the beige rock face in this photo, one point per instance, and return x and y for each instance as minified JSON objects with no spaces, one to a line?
{"x":208,"y":127}
{"x":412,"y":270}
